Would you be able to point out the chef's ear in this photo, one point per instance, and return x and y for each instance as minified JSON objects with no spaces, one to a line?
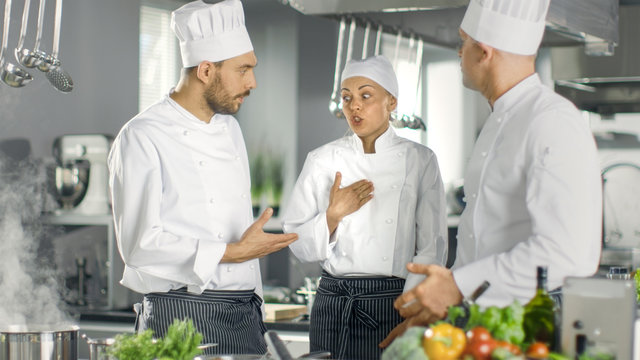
{"x":392,"y":104}
{"x":487,"y":51}
{"x":206,"y":71}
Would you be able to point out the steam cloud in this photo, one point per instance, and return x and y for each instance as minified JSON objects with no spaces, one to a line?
{"x":29,"y":297}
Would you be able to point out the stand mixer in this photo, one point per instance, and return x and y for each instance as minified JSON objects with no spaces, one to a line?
{"x":81,"y":173}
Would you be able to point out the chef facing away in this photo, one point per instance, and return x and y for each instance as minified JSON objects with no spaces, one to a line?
{"x":364,"y":206}
{"x":179,"y":178}
{"x":532,"y":185}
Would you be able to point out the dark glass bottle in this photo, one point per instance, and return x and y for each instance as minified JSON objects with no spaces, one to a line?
{"x":539,"y":314}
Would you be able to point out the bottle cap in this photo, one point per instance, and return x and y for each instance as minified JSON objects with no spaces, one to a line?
{"x":542,"y":272}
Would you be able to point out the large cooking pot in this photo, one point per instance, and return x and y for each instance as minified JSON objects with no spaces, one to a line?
{"x":39,"y":343}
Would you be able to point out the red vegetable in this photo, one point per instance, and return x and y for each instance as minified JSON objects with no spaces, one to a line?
{"x":478,"y":333}
{"x":538,"y":350}
{"x":480,"y":344}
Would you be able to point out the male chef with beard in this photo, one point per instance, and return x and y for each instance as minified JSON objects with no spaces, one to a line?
{"x":179,"y":179}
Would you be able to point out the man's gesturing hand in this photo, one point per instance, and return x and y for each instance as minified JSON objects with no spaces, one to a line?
{"x":428,"y":301}
{"x":255,"y":243}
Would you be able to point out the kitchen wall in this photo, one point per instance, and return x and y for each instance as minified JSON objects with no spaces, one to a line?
{"x":99,"y":49}
{"x":286,"y":114}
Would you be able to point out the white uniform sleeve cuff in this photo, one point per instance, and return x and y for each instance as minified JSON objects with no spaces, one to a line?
{"x":207,"y":259}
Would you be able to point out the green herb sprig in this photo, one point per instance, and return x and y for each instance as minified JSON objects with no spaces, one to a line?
{"x":180,"y":343}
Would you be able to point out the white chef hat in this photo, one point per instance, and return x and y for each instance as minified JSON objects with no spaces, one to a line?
{"x":514,"y":26}
{"x":376,"y":68}
{"x":212,"y":32}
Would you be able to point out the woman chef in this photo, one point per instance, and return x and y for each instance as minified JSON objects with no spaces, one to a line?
{"x":364,"y":238}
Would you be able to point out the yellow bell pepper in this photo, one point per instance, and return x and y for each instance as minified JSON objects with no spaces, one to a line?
{"x":444,"y":342}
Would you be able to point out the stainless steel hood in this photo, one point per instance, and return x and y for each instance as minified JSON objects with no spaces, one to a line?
{"x":608,"y":84}
{"x":593,"y":23}
{"x":595,"y":45}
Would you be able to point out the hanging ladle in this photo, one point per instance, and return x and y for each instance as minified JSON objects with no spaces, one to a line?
{"x":352,"y":30}
{"x":408,"y":119}
{"x":47,"y":62}
{"x":416,"y":122}
{"x":376,"y":50}
{"x":26,"y":57}
{"x":56,"y":75}
{"x":396,"y":119}
{"x":337,"y":108}
{"x":335,"y":103}
{"x":11,"y":74}
{"x":365,"y":40}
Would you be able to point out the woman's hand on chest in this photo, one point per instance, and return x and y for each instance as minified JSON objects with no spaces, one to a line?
{"x":346,"y":200}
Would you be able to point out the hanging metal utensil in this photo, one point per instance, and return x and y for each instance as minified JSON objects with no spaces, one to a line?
{"x":352,"y":28}
{"x":12,"y":75}
{"x":406,"y":118}
{"x":365,"y":40}
{"x":335,"y":105}
{"x":32,"y":58}
{"x":397,"y":50}
{"x":396,"y":119}
{"x":352,"y":31}
{"x":417,"y":122}
{"x":376,"y":51}
{"x":59,"y":78}
{"x":46,"y":60}
{"x":23,"y":56}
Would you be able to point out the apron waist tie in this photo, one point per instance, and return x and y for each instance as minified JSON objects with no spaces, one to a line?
{"x":351,"y":308}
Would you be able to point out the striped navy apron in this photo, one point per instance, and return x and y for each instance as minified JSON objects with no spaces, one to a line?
{"x":352,"y":315}
{"x":230,"y":318}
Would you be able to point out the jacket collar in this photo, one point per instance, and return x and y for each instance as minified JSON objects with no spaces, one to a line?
{"x":383,"y":142}
{"x":188,"y":117}
{"x":513,"y":95}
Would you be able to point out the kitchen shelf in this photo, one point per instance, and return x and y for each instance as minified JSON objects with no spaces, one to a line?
{"x":79,"y":219}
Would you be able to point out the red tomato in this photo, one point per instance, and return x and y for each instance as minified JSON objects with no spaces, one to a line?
{"x":538,"y":350}
{"x":512,"y":348}
{"x":480,"y":349}
{"x":478,"y":333}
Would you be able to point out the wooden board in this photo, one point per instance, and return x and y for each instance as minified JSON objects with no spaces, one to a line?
{"x":277,"y":312}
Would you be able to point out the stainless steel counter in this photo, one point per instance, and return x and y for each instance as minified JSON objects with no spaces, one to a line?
{"x":107,"y":324}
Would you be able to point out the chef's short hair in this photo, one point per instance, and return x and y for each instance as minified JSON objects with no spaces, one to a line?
{"x":190,"y":69}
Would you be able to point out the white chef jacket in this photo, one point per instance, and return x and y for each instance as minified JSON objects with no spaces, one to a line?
{"x":533,"y":197}
{"x":405,"y":221}
{"x":181,"y":193}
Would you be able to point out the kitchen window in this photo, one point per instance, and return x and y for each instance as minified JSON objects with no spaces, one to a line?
{"x":159,"y":66}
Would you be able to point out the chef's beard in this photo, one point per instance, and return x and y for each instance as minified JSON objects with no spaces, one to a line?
{"x":219,"y":99}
